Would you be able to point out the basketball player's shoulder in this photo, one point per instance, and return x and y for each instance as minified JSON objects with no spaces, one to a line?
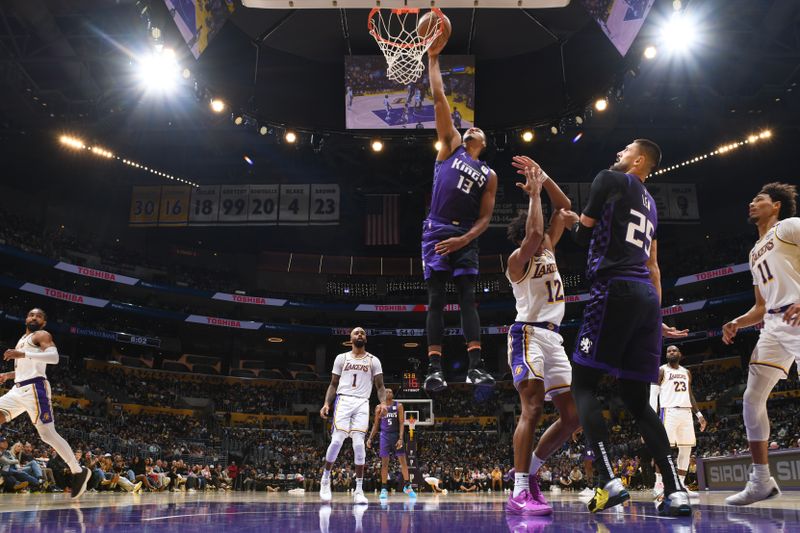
{"x":788,"y":230}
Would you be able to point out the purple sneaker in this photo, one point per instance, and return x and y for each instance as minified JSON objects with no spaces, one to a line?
{"x":536,"y":492}
{"x":524,"y":504}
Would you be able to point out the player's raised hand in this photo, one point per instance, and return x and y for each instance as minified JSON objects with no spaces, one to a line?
{"x":324,"y":411}
{"x":671,"y":332}
{"x":792,"y":315}
{"x":521,"y":162}
{"x":729,"y":331}
{"x":13,"y":354}
{"x":534,"y":179}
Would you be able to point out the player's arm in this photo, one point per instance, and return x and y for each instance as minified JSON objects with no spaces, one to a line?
{"x":603,"y":186}
{"x":43,"y":340}
{"x":401,"y":419}
{"x":534,"y":223}
{"x":330,"y":394}
{"x":445,"y":130}
{"x":5,"y":376}
{"x":695,"y":409}
{"x":789,"y":232}
{"x":453,"y":244}
{"x":376,"y":420}
{"x":381,"y":390}
{"x":753,"y":316}
{"x":559,"y":201}
{"x":655,"y":390}
{"x":669,"y":332}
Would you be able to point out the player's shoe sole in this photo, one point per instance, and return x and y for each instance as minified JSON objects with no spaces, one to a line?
{"x":752,"y":494}
{"x":79,"y":482}
{"x":676,"y":504}
{"x":603,"y":500}
{"x":478,"y":376}
{"x":434,"y":381}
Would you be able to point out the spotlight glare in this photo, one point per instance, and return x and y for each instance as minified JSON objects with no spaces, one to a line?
{"x":679,"y":33}
{"x":650,"y":52}
{"x":238,"y":120}
{"x":601,"y":104}
{"x":554,"y":130}
{"x":437,"y":145}
{"x":377,"y":145}
{"x":766,"y":134}
{"x":262,"y":130}
{"x":290,"y":137}
{"x":527,"y":136}
{"x":577,"y":138}
{"x":248,"y":160}
{"x":217,"y":105}
{"x":158,"y":71}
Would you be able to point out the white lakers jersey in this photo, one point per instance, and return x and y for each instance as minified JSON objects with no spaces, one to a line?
{"x":356,"y":373}
{"x":674,"y":388}
{"x":540,"y":292}
{"x":24,"y":368}
{"x":775,"y":264}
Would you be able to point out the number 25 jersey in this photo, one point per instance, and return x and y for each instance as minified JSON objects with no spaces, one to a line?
{"x":775,"y":264}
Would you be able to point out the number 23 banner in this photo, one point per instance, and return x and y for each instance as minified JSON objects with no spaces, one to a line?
{"x":235,"y":205}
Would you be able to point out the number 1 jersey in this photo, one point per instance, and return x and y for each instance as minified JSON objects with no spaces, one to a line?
{"x":626,"y":225}
{"x":356,"y":373}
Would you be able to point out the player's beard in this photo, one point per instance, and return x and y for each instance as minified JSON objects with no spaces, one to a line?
{"x":619,"y":166}
{"x":33,"y":326}
{"x":359,"y":343}
{"x":673,"y":360}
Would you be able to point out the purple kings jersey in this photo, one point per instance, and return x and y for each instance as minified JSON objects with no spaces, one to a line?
{"x":389,"y":423}
{"x":458,"y":186}
{"x":626,"y":227}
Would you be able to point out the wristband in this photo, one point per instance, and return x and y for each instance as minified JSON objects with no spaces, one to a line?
{"x":699,"y":415}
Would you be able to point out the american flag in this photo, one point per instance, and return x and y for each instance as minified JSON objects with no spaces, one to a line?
{"x":382,"y":213}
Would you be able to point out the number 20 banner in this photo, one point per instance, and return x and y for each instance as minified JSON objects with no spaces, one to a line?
{"x":235,"y":205}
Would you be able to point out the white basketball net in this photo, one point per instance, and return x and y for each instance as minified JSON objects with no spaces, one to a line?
{"x":395,"y":31}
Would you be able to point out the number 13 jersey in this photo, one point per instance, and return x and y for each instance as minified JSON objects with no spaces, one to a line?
{"x":356,"y":373}
{"x":458,"y":186}
{"x":775,"y":264}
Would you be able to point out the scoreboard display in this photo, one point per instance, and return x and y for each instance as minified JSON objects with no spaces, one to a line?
{"x":410,"y":383}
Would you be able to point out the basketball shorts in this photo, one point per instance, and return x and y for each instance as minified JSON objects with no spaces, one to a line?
{"x":538,"y":353}
{"x":679,"y":424}
{"x":778,"y":344}
{"x":33,"y":397}
{"x":462,"y":262}
{"x":621,"y":330}
{"x":350,"y":413}
{"x":389,"y":446}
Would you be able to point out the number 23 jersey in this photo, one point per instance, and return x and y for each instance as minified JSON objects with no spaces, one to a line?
{"x":356,"y":373}
{"x":775,"y":264}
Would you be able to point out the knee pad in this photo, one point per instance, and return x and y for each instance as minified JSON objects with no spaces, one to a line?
{"x":760,"y":381}
{"x":359,"y":450}
{"x":684,"y":456}
{"x":336,"y":444}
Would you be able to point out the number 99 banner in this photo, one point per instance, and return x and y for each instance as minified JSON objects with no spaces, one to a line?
{"x":235,"y":205}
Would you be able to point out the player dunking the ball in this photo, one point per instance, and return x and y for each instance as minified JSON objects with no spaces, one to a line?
{"x":622,"y":327}
{"x":539,"y":364}
{"x":353,"y":375}
{"x":672,"y":398}
{"x":31,"y":392}
{"x":392,"y":426}
{"x":461,"y":206}
{"x":775,"y":265}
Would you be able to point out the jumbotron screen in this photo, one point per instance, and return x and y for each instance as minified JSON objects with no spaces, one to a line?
{"x":372,"y":101}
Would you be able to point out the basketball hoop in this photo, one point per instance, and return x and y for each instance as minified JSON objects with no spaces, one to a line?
{"x":402,"y":45}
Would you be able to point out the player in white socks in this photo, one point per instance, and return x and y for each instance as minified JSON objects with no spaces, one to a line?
{"x":539,"y":364}
{"x":775,"y":265}
{"x":673,"y":400}
{"x":31,"y":392}
{"x":352,"y":377}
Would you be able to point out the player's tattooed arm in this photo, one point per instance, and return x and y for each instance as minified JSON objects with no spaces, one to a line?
{"x":753,"y":316}
{"x":375,"y":423}
{"x":379,"y":387}
{"x":330,"y":394}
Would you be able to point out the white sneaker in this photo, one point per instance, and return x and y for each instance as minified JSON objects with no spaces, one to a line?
{"x":325,"y":490}
{"x":658,"y":489}
{"x":676,"y":504}
{"x":755,"y":491}
{"x":587,"y":492}
{"x":359,"y":498}
{"x":692,"y":494}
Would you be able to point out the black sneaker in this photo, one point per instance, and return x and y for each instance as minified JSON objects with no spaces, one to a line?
{"x":479,"y":376}
{"x":434,"y":380}
{"x":79,"y":482}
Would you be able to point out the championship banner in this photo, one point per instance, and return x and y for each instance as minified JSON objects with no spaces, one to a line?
{"x":63,"y":295}
{"x":223,"y":322}
{"x":97,"y":274}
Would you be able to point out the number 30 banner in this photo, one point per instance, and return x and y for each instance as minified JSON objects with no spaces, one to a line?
{"x":235,"y":205}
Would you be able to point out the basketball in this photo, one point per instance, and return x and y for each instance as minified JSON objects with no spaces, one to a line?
{"x":424,"y":26}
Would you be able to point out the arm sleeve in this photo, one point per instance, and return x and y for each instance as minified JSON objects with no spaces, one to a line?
{"x":377,"y":368}
{"x":604,"y":185}
{"x":49,"y":356}
{"x":338,"y":365}
{"x":655,"y":390}
{"x":789,"y":230}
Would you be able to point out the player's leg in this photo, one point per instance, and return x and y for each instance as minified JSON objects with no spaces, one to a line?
{"x":337,"y":440}
{"x":384,"y":475}
{"x":401,"y":457}
{"x":434,"y":324}
{"x":760,"y":381}
{"x":360,"y":423}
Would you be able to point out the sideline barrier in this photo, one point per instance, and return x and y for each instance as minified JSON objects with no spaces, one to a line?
{"x":733,"y":471}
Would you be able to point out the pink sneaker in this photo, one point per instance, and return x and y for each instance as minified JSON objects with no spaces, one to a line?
{"x":524,"y":504}
{"x":536,"y":492}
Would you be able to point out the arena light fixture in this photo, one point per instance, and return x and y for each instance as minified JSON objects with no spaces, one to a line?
{"x":601,"y":104}
{"x":217,"y":105}
{"x":527,"y":136}
{"x":437,"y":145}
{"x":290,"y":137}
{"x":158,"y":71}
{"x":722,"y":150}
{"x":238,"y":119}
{"x":554,"y":130}
{"x":263,"y":130}
{"x":72,"y":142}
{"x":650,"y":52}
{"x":410,"y":345}
{"x":377,"y":145}
{"x":275,"y":339}
{"x":679,"y":34}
